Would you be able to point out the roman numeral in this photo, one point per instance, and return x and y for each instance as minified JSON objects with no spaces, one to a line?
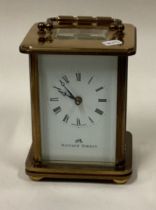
{"x":91,"y":120}
{"x":98,"y":89}
{"x":78,"y":123}
{"x":98,"y":111}
{"x":78,"y":77}
{"x":66,"y":118}
{"x":90,"y":80}
{"x":65,"y":79}
{"x":102,"y":100}
{"x":62,"y":83}
{"x":57,"y":110}
{"x":54,"y":99}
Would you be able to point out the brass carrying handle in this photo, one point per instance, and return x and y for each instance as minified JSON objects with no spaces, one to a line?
{"x":79,"y":21}
{"x":113,"y":24}
{"x":85,"y":20}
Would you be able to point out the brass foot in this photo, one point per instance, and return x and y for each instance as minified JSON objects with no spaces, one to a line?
{"x":36,"y":178}
{"x":120,"y":181}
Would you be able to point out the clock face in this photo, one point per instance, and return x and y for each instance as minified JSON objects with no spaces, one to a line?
{"x":78,"y":100}
{"x":78,"y":96}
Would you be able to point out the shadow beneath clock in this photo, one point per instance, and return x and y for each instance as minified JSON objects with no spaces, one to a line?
{"x":77,"y":181}
{"x":134,"y":175}
{"x":142,"y":124}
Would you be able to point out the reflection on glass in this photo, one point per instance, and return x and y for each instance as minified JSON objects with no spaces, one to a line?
{"x":85,"y":34}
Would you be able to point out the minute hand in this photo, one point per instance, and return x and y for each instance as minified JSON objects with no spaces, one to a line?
{"x":60,"y":91}
{"x":70,"y":94}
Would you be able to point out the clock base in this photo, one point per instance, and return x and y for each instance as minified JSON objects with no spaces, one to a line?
{"x":58,"y":171}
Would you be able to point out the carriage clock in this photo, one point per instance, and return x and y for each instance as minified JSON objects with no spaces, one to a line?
{"x":78,"y":82}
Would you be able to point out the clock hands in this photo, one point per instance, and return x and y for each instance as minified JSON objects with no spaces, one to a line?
{"x":77,"y":99}
{"x":61,"y":91}
{"x":70,"y":94}
{"x":64,"y":93}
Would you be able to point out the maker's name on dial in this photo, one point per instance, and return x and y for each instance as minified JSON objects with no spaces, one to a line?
{"x":89,"y":146}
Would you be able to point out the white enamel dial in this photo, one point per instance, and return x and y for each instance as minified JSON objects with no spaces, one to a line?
{"x":78,"y":100}
{"x":78,"y":107}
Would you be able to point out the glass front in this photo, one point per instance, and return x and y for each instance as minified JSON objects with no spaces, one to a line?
{"x":85,"y":34}
{"x":78,"y":97}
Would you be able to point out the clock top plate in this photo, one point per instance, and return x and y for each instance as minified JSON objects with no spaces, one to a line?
{"x":81,"y":35}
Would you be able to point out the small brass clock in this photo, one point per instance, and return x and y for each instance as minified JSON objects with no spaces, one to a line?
{"x":78,"y":80}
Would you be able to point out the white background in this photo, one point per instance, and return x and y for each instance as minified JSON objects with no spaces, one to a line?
{"x":16,"y":190}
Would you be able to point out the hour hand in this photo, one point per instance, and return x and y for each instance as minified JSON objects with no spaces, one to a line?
{"x":70,"y":94}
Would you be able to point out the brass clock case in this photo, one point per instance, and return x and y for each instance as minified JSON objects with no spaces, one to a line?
{"x":45,"y":38}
